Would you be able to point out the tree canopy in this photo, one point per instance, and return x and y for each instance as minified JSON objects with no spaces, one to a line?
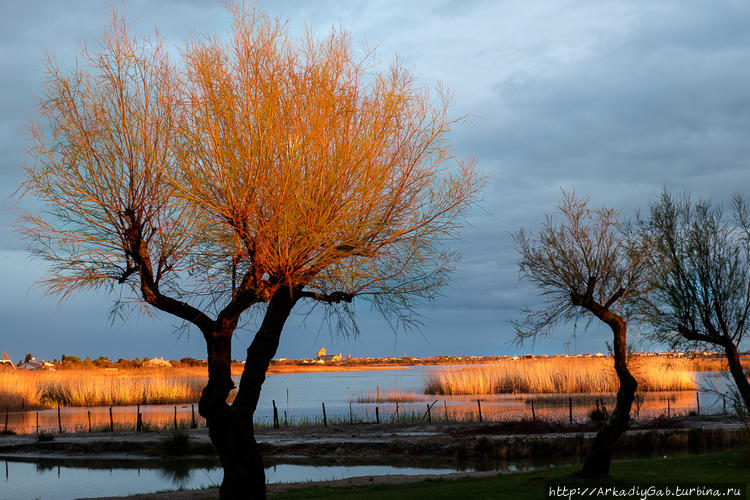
{"x":582,"y":263}
{"x":261,"y":161}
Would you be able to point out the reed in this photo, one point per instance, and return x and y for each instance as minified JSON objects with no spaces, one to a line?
{"x":94,"y":387}
{"x":559,"y":375}
{"x":717,"y":364}
{"x":392,"y":396}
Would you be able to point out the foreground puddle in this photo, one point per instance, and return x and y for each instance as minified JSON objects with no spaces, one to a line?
{"x":62,"y":480}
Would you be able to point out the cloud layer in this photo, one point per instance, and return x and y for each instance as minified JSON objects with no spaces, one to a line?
{"x":611,"y":99}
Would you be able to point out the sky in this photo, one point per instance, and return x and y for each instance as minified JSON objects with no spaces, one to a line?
{"x":611,"y":99}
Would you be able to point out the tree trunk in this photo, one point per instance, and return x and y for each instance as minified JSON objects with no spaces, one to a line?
{"x":738,"y":374}
{"x":597,"y":463}
{"x":231,"y":427}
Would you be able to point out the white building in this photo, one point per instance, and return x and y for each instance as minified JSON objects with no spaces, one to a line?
{"x":157,"y":363}
{"x":36,"y":364}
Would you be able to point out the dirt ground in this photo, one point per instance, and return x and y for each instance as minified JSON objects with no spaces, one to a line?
{"x":358,"y":443}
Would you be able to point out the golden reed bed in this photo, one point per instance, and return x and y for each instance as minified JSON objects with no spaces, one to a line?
{"x":560,"y":375}
{"x":95,"y":387}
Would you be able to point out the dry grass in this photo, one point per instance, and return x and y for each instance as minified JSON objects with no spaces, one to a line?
{"x":560,"y":375}
{"x":392,"y":396}
{"x":716,"y":364}
{"x":94,"y":387}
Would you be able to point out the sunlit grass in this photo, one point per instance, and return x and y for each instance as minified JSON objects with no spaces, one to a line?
{"x":96,"y":387}
{"x":560,"y":375}
{"x":391,"y":396}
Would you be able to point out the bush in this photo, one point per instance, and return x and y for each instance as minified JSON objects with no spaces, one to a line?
{"x":177,"y":443}
{"x":192,"y":362}
{"x":103,"y":362}
{"x":597,"y":415}
{"x":70,"y":361}
{"x":45,"y":436}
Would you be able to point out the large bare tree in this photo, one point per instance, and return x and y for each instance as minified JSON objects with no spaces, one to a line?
{"x":264,"y":172}
{"x":701,"y":267}
{"x":587,"y":268}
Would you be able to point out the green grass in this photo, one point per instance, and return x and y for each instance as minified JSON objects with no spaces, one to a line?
{"x":729,"y":467}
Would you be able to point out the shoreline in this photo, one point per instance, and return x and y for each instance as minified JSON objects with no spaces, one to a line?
{"x":470,"y":444}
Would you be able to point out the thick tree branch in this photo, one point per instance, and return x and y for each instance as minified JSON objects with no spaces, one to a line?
{"x":693,"y":335}
{"x":614,"y":298}
{"x":150,"y":288}
{"x":245,"y":296}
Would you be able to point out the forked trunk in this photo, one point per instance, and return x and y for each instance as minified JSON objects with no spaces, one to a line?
{"x":738,"y":374}
{"x":231,"y":426}
{"x":597,"y":463}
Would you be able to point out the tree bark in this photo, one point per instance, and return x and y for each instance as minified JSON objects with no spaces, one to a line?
{"x":738,"y":374}
{"x":598,"y":462}
{"x":231,"y":427}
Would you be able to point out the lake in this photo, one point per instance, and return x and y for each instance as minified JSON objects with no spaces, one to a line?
{"x":73,"y":478}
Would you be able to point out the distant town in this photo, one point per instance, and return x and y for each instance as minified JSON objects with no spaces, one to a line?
{"x":322,"y":358}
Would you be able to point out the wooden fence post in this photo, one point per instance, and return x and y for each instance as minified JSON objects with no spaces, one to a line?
{"x":89,"y":412}
{"x":138,"y":421}
{"x":175,"y":416}
{"x":193,"y":425}
{"x":111,"y":422}
{"x":445,"y":407}
{"x":698,"y":401}
{"x":570,"y":409}
{"x":275,"y":415}
{"x":479,"y":407}
{"x":59,"y":420}
{"x":533,"y":413}
{"x":325,"y":420}
{"x":377,"y":415}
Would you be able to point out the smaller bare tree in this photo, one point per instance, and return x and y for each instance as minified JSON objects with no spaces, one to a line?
{"x":586,"y":267}
{"x":701,"y":269}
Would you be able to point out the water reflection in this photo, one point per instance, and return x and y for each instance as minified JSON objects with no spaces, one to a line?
{"x":102,"y":419}
{"x":54,"y":479}
{"x":50,"y":479}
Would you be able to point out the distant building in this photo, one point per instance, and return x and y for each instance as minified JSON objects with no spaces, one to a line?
{"x":36,"y":364}
{"x":157,"y":363}
{"x":322,"y":357}
{"x":6,"y":361}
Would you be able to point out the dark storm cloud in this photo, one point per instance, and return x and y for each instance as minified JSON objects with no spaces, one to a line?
{"x":611,"y":99}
